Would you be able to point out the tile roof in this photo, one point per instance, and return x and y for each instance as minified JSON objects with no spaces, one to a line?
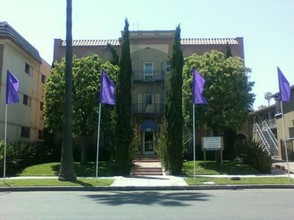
{"x":184,"y":41}
{"x":7,"y":31}
{"x":208,"y":41}
{"x":89,"y":43}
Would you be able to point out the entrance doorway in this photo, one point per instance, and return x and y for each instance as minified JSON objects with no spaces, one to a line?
{"x":148,"y":142}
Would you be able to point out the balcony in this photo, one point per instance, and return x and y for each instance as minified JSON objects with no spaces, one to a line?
{"x":148,"y":76}
{"x":147,"y":109}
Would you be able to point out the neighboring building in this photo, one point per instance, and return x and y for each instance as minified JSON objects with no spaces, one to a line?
{"x":150,"y":53}
{"x":266,"y":124}
{"x":287,"y":119}
{"x":25,"y":119}
{"x":264,"y":128}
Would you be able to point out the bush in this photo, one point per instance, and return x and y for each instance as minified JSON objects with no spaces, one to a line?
{"x":160,"y":147}
{"x":254,"y":155}
{"x":20,"y":154}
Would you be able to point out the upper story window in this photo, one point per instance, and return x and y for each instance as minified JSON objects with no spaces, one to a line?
{"x":148,"y":71}
{"x":167,"y":66}
{"x":43,"y":79}
{"x":25,"y":132}
{"x":27,"y":100}
{"x":41,"y":106}
{"x":28,"y":69}
{"x":291,"y":132}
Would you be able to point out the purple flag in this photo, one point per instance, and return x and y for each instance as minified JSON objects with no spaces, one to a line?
{"x":12,"y":85}
{"x":198,"y":84}
{"x":284,"y":87}
{"x":107,"y":90}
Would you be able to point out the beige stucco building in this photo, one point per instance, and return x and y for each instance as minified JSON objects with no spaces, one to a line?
{"x":271,"y":120}
{"x":150,"y":53}
{"x":17,"y":55}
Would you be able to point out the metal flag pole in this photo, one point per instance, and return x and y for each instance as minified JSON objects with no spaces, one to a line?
{"x":194,"y":148}
{"x":284,"y":140}
{"x":5,"y":145}
{"x":98,"y":138}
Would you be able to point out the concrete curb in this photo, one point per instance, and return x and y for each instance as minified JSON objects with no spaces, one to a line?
{"x":144,"y":188}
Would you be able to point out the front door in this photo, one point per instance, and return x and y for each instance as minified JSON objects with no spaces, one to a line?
{"x":148,"y":142}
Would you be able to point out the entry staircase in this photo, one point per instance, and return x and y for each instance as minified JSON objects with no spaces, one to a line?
{"x":147,"y":166}
{"x":264,"y":134}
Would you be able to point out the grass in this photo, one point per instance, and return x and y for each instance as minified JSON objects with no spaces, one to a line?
{"x":242,"y":181}
{"x":82,"y":170}
{"x":54,"y":182}
{"x":228,"y":168}
{"x":214,"y":168}
{"x":52,"y":170}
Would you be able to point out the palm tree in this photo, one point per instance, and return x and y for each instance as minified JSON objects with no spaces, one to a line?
{"x":66,"y":171}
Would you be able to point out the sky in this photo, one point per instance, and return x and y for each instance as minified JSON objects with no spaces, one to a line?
{"x":265,"y":25}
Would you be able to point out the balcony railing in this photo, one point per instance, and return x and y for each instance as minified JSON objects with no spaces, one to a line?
{"x":144,"y":76}
{"x":147,"y":109}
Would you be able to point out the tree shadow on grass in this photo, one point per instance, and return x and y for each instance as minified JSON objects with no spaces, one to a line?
{"x":230,"y":168}
{"x":88,"y":169}
{"x":176,"y":199}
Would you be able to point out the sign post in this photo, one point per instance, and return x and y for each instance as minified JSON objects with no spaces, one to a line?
{"x":212,"y":144}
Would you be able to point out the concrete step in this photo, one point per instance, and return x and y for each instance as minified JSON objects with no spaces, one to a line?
{"x":145,"y":171}
{"x":144,"y":166}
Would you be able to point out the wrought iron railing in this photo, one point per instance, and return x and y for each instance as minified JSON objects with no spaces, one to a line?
{"x":148,"y":109}
{"x":148,"y":76}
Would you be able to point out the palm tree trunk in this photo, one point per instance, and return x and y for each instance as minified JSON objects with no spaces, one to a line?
{"x":66,"y":171}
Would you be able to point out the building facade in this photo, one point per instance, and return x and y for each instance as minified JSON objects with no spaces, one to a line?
{"x":150,"y":53}
{"x":271,"y":120}
{"x":17,"y":55}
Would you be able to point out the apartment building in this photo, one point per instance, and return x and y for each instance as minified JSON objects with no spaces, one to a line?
{"x":17,"y":55}
{"x":150,"y":53}
{"x":271,"y":128}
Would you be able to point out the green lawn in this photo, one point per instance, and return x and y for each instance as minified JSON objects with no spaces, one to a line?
{"x":245,"y":181}
{"x":52,"y":169}
{"x":229,"y":168}
{"x":214,"y":168}
{"x":54,"y":182}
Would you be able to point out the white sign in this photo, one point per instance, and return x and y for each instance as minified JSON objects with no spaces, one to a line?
{"x":212,"y":143}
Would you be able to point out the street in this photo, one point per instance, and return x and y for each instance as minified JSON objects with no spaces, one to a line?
{"x":202,"y":204}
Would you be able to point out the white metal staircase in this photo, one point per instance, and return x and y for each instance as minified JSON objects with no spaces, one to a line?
{"x":265,"y":135}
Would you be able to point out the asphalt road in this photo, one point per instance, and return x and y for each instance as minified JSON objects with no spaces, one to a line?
{"x":151,"y":205}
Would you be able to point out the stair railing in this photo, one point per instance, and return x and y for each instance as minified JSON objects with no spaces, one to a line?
{"x":271,"y":134}
{"x":261,"y":136}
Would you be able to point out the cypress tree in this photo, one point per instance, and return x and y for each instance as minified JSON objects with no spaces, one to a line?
{"x":123,"y":129}
{"x":173,"y":108}
{"x":228,"y":51}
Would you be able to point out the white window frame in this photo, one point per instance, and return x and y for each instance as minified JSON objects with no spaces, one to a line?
{"x":148,"y":75}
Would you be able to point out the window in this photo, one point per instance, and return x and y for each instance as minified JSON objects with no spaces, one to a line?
{"x":25,"y":132}
{"x":43,"y":79}
{"x":27,"y":100}
{"x":291,"y":132}
{"x":41,"y":135}
{"x":28,"y":69}
{"x":167,"y":66}
{"x":148,"y":71}
{"x":41,"y":106}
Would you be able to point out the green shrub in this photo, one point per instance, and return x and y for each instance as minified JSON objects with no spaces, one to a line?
{"x":160,"y":146}
{"x":20,"y":154}
{"x":255,"y":155}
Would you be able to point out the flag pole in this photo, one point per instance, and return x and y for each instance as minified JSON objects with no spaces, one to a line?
{"x":5,"y":145}
{"x":284,"y":140}
{"x":98,"y":138}
{"x":194,"y":148}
